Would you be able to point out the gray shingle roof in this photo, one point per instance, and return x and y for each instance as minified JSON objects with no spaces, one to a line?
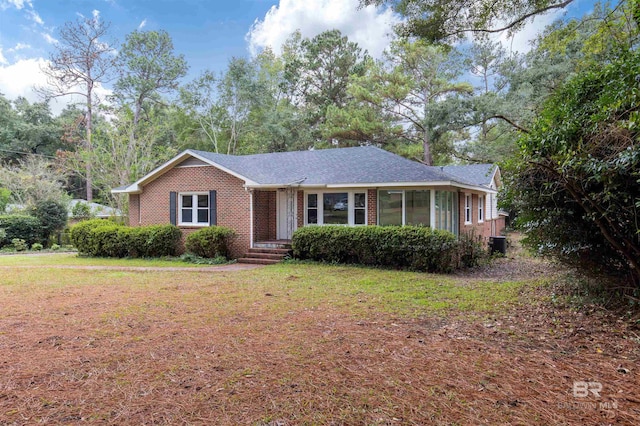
{"x":476,"y":174}
{"x":328,"y":166}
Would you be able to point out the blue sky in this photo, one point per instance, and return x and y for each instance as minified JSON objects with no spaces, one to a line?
{"x":208,"y":33}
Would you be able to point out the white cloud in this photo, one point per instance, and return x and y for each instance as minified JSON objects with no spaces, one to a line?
{"x":33,"y":15}
{"x":49,"y":38}
{"x":142,"y":24}
{"x":370,"y":27}
{"x":96,"y":14}
{"x":20,"y":78}
{"x":18,"y":4}
{"x":17,"y":79}
{"x":3,"y":60}
{"x":20,"y":46}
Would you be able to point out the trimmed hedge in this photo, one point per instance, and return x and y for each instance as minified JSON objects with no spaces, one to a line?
{"x":411,"y":247}
{"x":103,"y":238}
{"x":27,"y":228}
{"x":209,"y":242}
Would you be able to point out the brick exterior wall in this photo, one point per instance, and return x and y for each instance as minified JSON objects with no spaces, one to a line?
{"x":484,"y":229}
{"x":372,"y":207}
{"x":232,"y":201}
{"x":264,"y":215}
{"x":134,"y":209}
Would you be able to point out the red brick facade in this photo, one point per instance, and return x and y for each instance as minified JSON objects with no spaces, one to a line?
{"x":264,"y":215}
{"x":232,"y":201}
{"x":485,"y":229}
{"x":233,"y":206}
{"x":372,"y":207}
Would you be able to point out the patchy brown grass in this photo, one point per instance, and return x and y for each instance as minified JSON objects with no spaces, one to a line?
{"x":308,"y":344}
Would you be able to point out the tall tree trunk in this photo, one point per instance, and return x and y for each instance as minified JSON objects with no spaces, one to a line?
{"x":89,"y":144}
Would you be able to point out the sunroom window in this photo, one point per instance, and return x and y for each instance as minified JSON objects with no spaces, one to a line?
{"x":400,"y":207}
{"x":390,"y":207}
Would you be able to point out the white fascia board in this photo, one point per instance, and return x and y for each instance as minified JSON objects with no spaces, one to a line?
{"x":131,"y":189}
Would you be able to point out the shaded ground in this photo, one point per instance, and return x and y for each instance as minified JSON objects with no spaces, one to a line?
{"x":248,"y":347}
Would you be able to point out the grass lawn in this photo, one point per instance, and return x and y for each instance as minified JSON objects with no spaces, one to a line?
{"x":300,"y":344}
{"x":73,"y":259}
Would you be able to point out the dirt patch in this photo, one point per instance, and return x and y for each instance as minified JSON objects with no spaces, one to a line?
{"x":191,"y":349}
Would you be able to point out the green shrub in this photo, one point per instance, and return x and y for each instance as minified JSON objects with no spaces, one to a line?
{"x":210,"y":242}
{"x":472,"y":251}
{"x":19,"y":244}
{"x":412,"y":247}
{"x":192,"y":258}
{"x":3,"y":235}
{"x":104,"y":238}
{"x":52,"y":216}
{"x":37,"y":246}
{"x":154,"y":240}
{"x":55,"y":247}
{"x":81,"y":234}
{"x":27,"y":228}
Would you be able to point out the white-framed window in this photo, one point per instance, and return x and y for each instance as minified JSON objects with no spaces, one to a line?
{"x":467,"y":208}
{"x":404,"y":207}
{"x":336,"y":208}
{"x":480,"y":208}
{"x":193,"y":209}
{"x":446,"y":211}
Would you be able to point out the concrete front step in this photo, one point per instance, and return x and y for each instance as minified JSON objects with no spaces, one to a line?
{"x":283,"y":251}
{"x":280,"y":244}
{"x":257,"y":261}
{"x":274,"y":256}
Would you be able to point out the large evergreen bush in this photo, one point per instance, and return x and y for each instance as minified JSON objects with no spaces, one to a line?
{"x":412,"y":247}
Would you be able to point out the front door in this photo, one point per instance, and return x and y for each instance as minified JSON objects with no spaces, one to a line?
{"x":286,"y":205}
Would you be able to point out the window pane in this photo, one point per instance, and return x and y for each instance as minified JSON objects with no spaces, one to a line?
{"x":187,"y":201}
{"x":359,"y":217}
{"x":203,"y":201}
{"x":312,"y":200}
{"x":312,"y":216}
{"x":359,"y":200}
{"x":418,"y":207}
{"x":187,"y":215}
{"x":336,"y":209}
{"x":390,"y":203}
{"x":203,"y":215}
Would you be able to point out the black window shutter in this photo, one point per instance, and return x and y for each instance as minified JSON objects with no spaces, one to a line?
{"x":173,"y":201}
{"x":213,"y":208}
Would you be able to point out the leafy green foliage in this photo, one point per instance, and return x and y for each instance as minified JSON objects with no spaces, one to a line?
{"x":27,"y":228}
{"x":577,"y":183}
{"x":452,"y":20}
{"x":81,"y":211}
{"x":52,"y":216}
{"x":20,"y":245}
{"x":210,"y":242}
{"x":412,"y":247}
{"x":36,"y":246}
{"x":5,"y":195}
{"x":104,"y":238}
